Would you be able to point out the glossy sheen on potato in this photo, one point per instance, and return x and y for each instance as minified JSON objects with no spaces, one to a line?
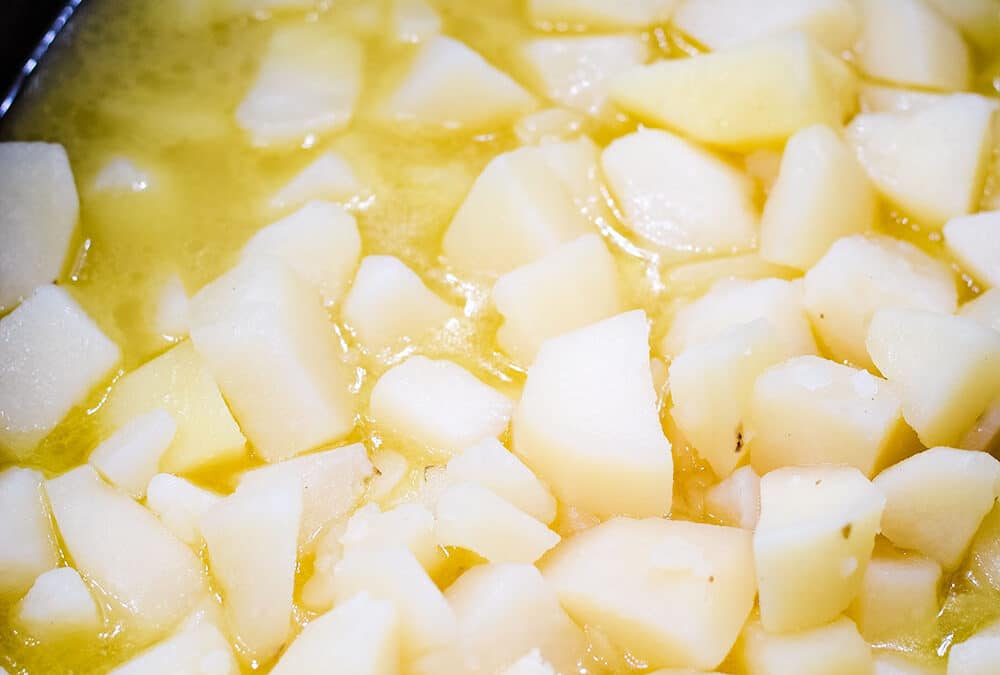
{"x":28,"y":545}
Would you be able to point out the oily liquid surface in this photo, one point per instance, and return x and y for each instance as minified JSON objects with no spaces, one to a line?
{"x":136,"y":81}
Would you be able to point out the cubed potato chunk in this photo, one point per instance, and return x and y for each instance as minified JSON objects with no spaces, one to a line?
{"x":449,"y":85}
{"x":583,"y":390}
{"x":391,"y":468}
{"x":39,"y":214}
{"x":932,"y":162}
{"x":881,"y":98}
{"x":601,"y":14}
{"x":389,"y":302}
{"x":985,"y":309}
{"x":130,"y":457}
{"x":812,"y":544}
{"x":679,"y":198}
{"x":695,"y":278}
{"x":198,"y":648}
{"x":122,"y":175}
{"x":414,"y":21}
{"x":672,"y":593}
{"x":51,"y":356}
{"x":977,"y":655}
{"x":890,"y":663}
{"x":171,"y":320}
{"x":319,"y":591}
{"x":974,"y":241}
{"x":862,"y":274}
{"x":978,"y":19}
{"x":810,"y":410}
{"x":329,"y":177}
{"x":735,"y":501}
{"x":307,"y":85}
{"x":122,"y":547}
{"x":410,"y":526}
{"x":269,"y":343}
{"x":834,"y":649}
{"x":821,"y":195}
{"x":179,"y":505}
{"x":361,"y":637}
{"x":948,"y":368}
{"x":179,"y":382}
{"x":320,"y":242}
{"x":936,"y":500}
{"x":530,"y":664}
{"x":577,"y":165}
{"x":58,"y":605}
{"x":909,"y":43}
{"x":748,"y":96}
{"x":573,"y":286}
{"x":549,"y":125}
{"x":27,"y":545}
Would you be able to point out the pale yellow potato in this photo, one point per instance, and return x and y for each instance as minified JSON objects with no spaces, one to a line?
{"x":549,"y":125}
{"x":171,"y":320}
{"x":974,"y":241}
{"x":876,"y":98}
{"x":984,"y":551}
{"x":978,"y":19}
{"x":59,"y":605}
{"x":600,"y":13}
{"x":735,"y":501}
{"x":28,"y":546}
{"x":696,"y":278}
{"x":577,"y":164}
{"x":891,"y":663}
{"x":985,"y":309}
{"x":413,"y":21}
{"x":130,"y":457}
{"x":179,"y":504}
{"x":189,"y":650}
{"x":409,"y":526}
{"x":390,"y":469}
{"x":529,"y":664}
{"x":330,"y":177}
{"x":319,"y":591}
{"x":977,"y":655}
{"x":834,"y":649}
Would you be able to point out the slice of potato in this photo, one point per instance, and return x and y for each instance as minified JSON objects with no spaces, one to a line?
{"x":28,"y":545}
{"x":974,"y":241}
{"x":189,"y":650}
{"x":735,"y":501}
{"x":833,"y":649}
{"x":179,"y":505}
{"x":59,"y":605}
{"x":130,"y":457}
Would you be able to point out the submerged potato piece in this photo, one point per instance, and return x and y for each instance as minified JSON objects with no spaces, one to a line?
{"x":672,"y":593}
{"x":974,"y":241}
{"x":587,"y":421}
{"x":882,"y":98}
{"x":59,"y":604}
{"x":130,"y":457}
{"x":834,"y":649}
{"x":601,"y":14}
{"x":530,"y":664}
{"x":414,"y":21}
{"x":27,"y":544}
{"x":947,"y":367}
{"x":753,"y":95}
{"x":678,"y":197}
{"x":269,"y":343}
{"x":573,"y":286}
{"x":51,"y":356}
{"x":936,"y":500}
{"x":307,"y":85}
{"x":329,"y":177}
{"x":892,"y":663}
{"x":977,"y":655}
{"x":120,"y":175}
{"x":40,"y":209}
{"x":930,"y":162}
{"x":122,"y":547}
{"x":735,"y":501}
{"x":179,"y":505}
{"x":410,"y":526}
{"x":171,"y":320}
{"x":196,"y":648}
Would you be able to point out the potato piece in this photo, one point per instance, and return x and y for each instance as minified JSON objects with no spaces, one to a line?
{"x":27,"y":544}
{"x":821,"y":195}
{"x":171,"y":321}
{"x":936,"y":500}
{"x":550,"y":125}
{"x":573,"y":286}
{"x":833,"y":649}
{"x":389,"y":302}
{"x":985,"y":309}
{"x":880,"y":98}
{"x":179,"y":505}
{"x":58,"y":605}
{"x":583,"y":389}
{"x":978,"y":19}
{"x":268,"y":342}
{"x":51,"y":356}
{"x":530,"y":664}
{"x":662,"y":184}
{"x":414,"y":21}
{"x":735,"y":501}
{"x":199,"y":648}
{"x":947,"y":367}
{"x":390,"y":470}
{"x":123,"y":548}
{"x":977,"y":655}
{"x":40,"y":212}
{"x":862,"y":274}
{"x":577,"y":165}
{"x":601,"y":14}
{"x":410,"y":526}
{"x":122,"y":175}
{"x":319,"y":591}
{"x":672,"y":593}
{"x":329,"y":177}
{"x":130,"y":457}
{"x":890,"y":663}
{"x":974,"y":241}
{"x":696,"y":278}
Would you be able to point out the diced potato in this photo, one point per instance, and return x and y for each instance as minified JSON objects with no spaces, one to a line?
{"x":389,"y":302}
{"x":171,"y":321}
{"x":360,"y":637}
{"x":121,"y":174}
{"x":307,"y":85}
{"x":672,"y":593}
{"x":696,"y":278}
{"x":577,"y":164}
{"x":269,"y":343}
{"x":583,"y":390}
{"x":390,"y":470}
{"x":985,"y":431}
{"x":51,"y":356}
{"x":529,"y":664}
{"x":410,"y":526}
{"x":179,"y":505}
{"x":880,"y":98}
{"x":974,"y":241}
{"x":130,"y":457}
{"x":122,"y":547}
{"x":909,"y":43}
{"x":27,"y":545}
{"x":890,"y":663}
{"x":862,"y":274}
{"x":977,"y":18}
{"x":451,"y":86}
{"x":601,"y":14}
{"x":978,"y":655}
{"x":550,"y":125}
{"x":320,"y":242}
{"x":438,"y":405}
{"x":251,"y":537}
{"x":932,"y":162}
{"x":59,"y":604}
{"x":199,"y":648}
{"x":679,"y":198}
{"x":329,"y":177}
{"x":573,"y":286}
{"x":319,"y":591}
{"x":834,"y":649}
{"x":753,"y":95}
{"x":414,"y":21}
{"x":735,"y":501}
{"x":821,"y":195}
{"x":39,"y":214}
{"x":985,"y":309}
{"x":947,"y":367}
{"x":936,"y":500}
{"x":178,"y":381}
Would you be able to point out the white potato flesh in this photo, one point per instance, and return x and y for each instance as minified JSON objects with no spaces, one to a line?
{"x":985,"y":309}
{"x":59,"y":604}
{"x":390,"y":470}
{"x":449,"y":85}
{"x":319,"y":591}
{"x":52,"y":355}
{"x":974,"y":241}
{"x":931,"y":162}
{"x":936,"y":500}
{"x":307,"y":85}
{"x":947,"y":367}
{"x":27,"y":544}
{"x":266,"y":338}
{"x":360,"y":636}
{"x":390,"y":302}
{"x":171,"y":321}
{"x":672,"y":593}
{"x":330,"y":177}
{"x":822,"y":194}
{"x":410,"y":526}
{"x":978,"y":19}
{"x":124,"y":549}
{"x":907,"y":42}
{"x":601,"y":14}
{"x":573,"y":286}
{"x":587,"y":423}
{"x":320,"y":242}
{"x":121,"y":174}
{"x":179,"y":504}
{"x":39,"y":215}
{"x":577,"y":164}
{"x":414,"y":21}
{"x":748,"y":96}
{"x":549,"y":125}
{"x":882,"y":98}
{"x":179,"y":382}
{"x":130,"y":457}
{"x":977,"y":655}
{"x":891,"y":663}
{"x":199,"y":648}
{"x":529,"y":664}
{"x":678,"y":197}
{"x":861,"y":274}
{"x":834,"y":649}
{"x":735,"y":501}
{"x":692,"y":279}
{"x":439,"y":406}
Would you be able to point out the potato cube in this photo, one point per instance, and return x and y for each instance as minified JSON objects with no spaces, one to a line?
{"x":122,"y":175}
{"x":978,"y":19}
{"x":27,"y":544}
{"x":577,"y":165}
{"x":735,"y":501}
{"x":179,"y":505}
{"x":549,"y":125}
{"x":329,"y":177}
{"x":834,"y":649}
{"x":414,"y":21}
{"x":319,"y":591}
{"x":696,"y":278}
{"x":59,"y":604}
{"x":974,"y":241}
{"x":890,"y":663}
{"x":985,"y":309}
{"x":529,"y":664}
{"x":977,"y":655}
{"x":171,"y":320}
{"x":881,"y":98}
{"x":199,"y":648}
{"x":601,"y":14}
{"x":391,"y":468}
{"x":410,"y":526}
{"x":130,"y":457}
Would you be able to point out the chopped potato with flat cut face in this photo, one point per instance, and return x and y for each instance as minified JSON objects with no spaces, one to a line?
{"x":414,"y":20}
{"x":329,"y":177}
{"x":735,"y":501}
{"x":129,"y":458}
{"x":411,"y":526}
{"x":977,"y":18}
{"x":985,"y":309}
{"x":28,"y":546}
{"x":58,"y":605}
{"x":192,"y":649}
{"x":529,"y":664}
{"x":834,"y":649}
{"x":978,"y":655}
{"x":180,"y":505}
{"x":601,"y":14}
{"x":974,"y":241}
